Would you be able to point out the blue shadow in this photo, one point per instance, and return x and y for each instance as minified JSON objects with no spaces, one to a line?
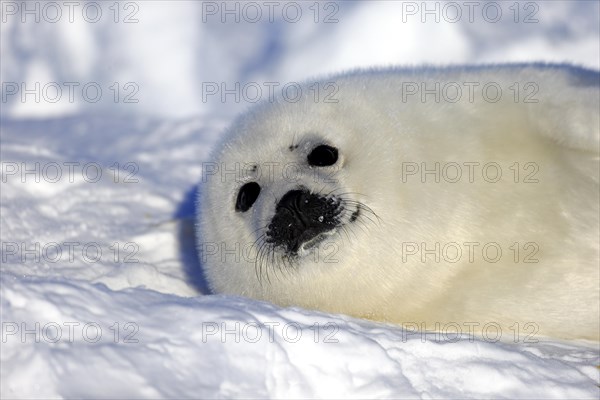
{"x":186,"y":215}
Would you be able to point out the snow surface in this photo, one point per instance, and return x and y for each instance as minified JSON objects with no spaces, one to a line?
{"x":161,"y":334}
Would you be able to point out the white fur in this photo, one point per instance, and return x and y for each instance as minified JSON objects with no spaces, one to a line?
{"x":360,"y":270}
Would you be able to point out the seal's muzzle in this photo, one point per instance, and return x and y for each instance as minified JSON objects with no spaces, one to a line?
{"x":300,"y":218}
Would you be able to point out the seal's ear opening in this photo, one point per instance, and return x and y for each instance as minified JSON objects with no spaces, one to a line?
{"x":323,"y":156}
{"x":247,"y":196}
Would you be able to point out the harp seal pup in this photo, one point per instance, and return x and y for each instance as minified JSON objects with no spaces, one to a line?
{"x":427,"y":197}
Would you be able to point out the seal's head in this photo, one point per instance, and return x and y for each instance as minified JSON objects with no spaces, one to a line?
{"x":289,"y":199}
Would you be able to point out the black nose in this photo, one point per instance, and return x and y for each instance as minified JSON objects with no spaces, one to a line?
{"x":300,"y":216}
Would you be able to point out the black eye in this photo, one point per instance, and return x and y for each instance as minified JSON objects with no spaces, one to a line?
{"x":323,"y":156}
{"x":247,"y":196}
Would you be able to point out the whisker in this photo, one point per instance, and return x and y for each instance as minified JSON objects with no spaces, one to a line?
{"x":258,"y":265}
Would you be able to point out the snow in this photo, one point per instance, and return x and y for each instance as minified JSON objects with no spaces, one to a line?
{"x":108,"y":247}
{"x":217,"y":346}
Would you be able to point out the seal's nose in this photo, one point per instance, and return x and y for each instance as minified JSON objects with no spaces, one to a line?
{"x":295,"y":202}
{"x":300,"y":216}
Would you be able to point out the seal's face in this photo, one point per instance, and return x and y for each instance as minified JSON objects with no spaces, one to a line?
{"x":290,"y":195}
{"x":300,"y":218}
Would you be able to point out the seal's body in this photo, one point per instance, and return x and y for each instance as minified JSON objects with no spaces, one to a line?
{"x":417,"y":196}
